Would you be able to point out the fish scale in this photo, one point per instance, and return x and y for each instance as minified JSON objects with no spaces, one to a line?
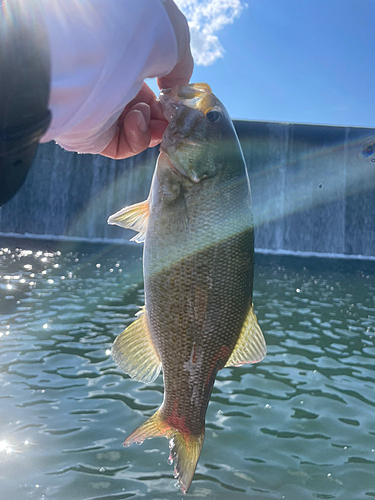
{"x":212,"y":325}
{"x":198,"y":262}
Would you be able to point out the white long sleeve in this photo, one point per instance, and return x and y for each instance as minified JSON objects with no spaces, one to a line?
{"x":101,"y":51}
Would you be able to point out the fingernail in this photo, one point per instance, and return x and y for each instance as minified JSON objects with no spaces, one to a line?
{"x":141,"y":122}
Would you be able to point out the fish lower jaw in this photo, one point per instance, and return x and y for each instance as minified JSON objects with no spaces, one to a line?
{"x":175,"y":167}
{"x":172,"y":137}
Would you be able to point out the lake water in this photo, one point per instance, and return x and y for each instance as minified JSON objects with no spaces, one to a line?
{"x":300,"y":425}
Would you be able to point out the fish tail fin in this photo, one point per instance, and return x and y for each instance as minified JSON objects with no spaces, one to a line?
{"x":185,"y":448}
{"x":185,"y":452}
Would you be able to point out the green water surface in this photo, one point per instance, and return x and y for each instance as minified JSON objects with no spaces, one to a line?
{"x":300,"y":425}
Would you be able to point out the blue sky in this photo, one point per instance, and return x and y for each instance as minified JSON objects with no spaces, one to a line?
{"x":306,"y":61}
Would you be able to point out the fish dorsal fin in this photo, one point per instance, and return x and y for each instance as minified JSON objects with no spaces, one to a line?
{"x":134,"y":217}
{"x":135,"y":353}
{"x":251,"y":346}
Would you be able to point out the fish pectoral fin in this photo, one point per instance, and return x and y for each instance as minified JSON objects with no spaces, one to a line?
{"x":251,"y":346}
{"x":135,"y":353}
{"x":185,"y":448}
{"x":134,"y":217}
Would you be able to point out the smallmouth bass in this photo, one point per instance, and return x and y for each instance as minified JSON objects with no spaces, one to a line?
{"x":198,"y":263}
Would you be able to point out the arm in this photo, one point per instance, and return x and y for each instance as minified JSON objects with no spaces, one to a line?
{"x":142,"y":123}
{"x":99,"y":101}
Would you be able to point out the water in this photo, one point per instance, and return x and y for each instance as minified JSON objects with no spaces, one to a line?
{"x":299,"y":425}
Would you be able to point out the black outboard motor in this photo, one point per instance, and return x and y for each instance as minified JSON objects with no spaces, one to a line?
{"x":24,"y":91}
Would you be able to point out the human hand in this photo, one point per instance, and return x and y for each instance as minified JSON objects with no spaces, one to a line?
{"x":141,"y":125}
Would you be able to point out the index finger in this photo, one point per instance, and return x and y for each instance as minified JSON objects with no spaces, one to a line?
{"x":181,"y":73}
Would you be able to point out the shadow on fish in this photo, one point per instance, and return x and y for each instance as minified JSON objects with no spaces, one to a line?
{"x":198,"y":264}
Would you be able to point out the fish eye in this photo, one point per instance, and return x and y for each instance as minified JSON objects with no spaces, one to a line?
{"x":214,"y":115}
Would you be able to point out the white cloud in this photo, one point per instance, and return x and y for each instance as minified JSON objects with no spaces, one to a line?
{"x":206,"y":18}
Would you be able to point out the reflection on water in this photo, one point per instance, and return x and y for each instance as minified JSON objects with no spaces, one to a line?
{"x":299,"y":425}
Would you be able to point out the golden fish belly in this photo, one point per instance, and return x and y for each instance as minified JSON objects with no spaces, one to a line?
{"x":196,"y":310}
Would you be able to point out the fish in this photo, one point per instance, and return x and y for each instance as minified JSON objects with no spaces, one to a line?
{"x":198,"y":266}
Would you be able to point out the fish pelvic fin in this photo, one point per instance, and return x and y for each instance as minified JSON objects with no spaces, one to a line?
{"x":135,"y":353}
{"x":251,"y":346}
{"x":134,"y":217}
{"x":185,"y":448}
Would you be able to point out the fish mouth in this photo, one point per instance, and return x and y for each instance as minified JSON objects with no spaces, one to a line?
{"x":196,"y":96}
{"x":186,"y":92}
{"x":180,"y":138}
{"x":193,"y":95}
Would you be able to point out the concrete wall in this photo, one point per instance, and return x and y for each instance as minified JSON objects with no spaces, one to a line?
{"x":313,"y":189}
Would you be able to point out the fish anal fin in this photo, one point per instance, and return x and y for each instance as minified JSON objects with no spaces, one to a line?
{"x":134,"y":217}
{"x":185,"y":448}
{"x":251,"y":346}
{"x":135,"y":353}
{"x":153,"y":427}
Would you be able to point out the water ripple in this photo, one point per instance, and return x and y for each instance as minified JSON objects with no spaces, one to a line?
{"x":298,"y":425}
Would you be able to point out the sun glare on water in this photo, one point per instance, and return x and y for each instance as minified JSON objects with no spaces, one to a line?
{"x":5,"y":447}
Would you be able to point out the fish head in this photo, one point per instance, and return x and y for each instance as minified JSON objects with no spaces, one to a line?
{"x":199,"y":128}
